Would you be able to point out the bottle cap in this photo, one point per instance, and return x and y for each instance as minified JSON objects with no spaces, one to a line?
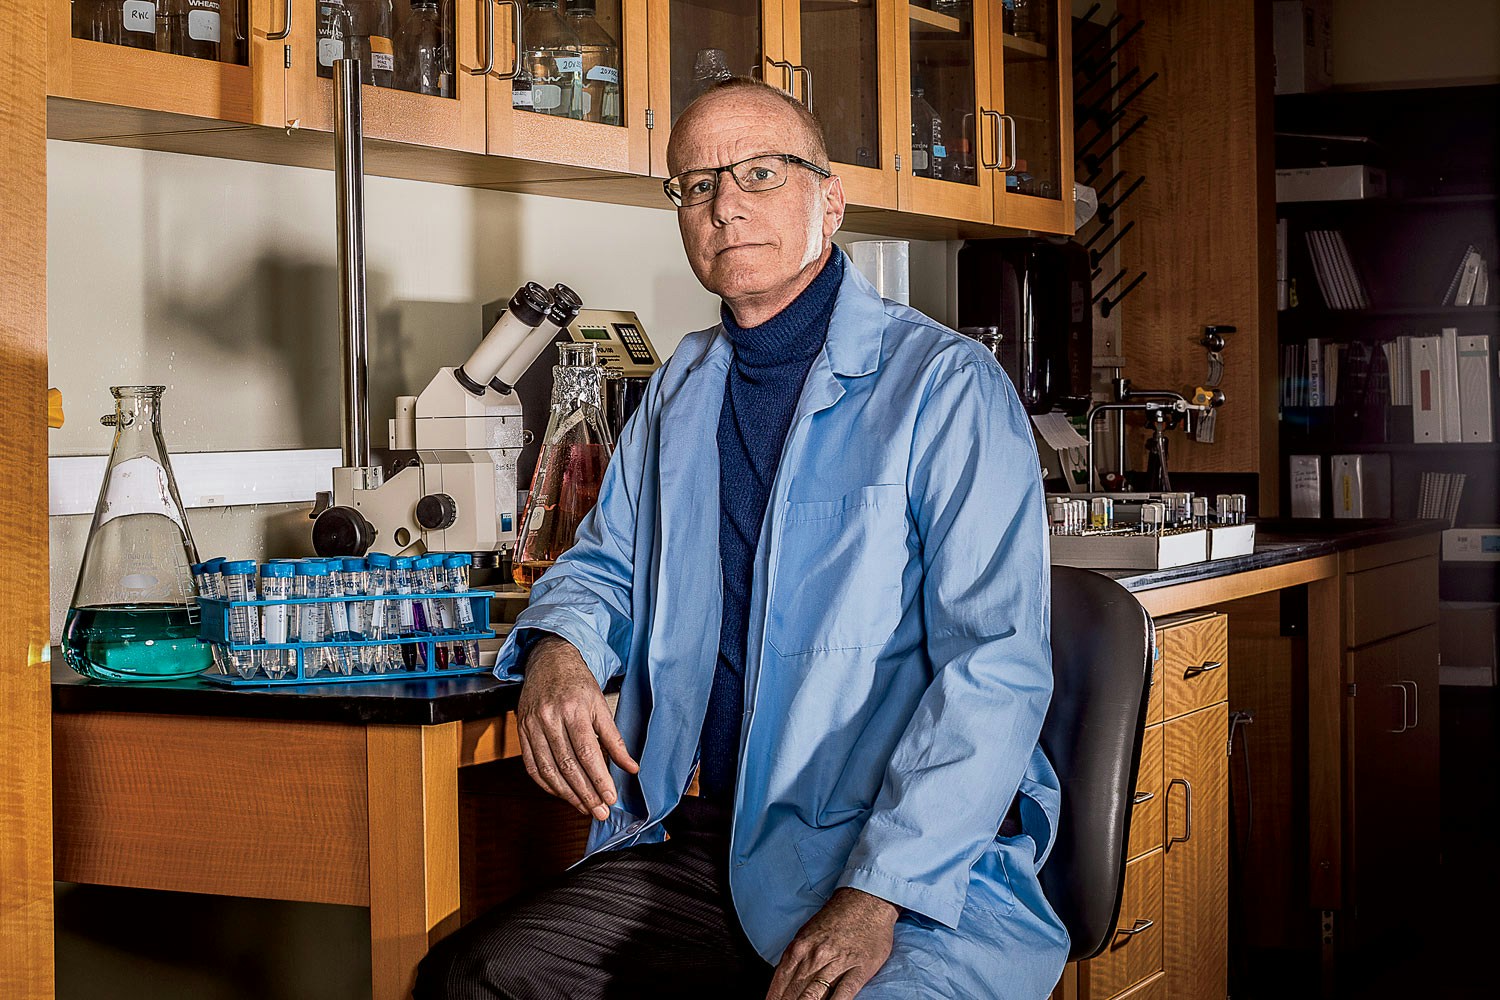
{"x":212,"y":565}
{"x":196,"y":569}
{"x":530,"y":303}
{"x":429,"y":561}
{"x":278,"y":569}
{"x":565,"y":305}
{"x":378,"y":560}
{"x":312,"y":567}
{"x":239,"y":567}
{"x":354,"y":565}
{"x":458,"y":560}
{"x":403,"y":562}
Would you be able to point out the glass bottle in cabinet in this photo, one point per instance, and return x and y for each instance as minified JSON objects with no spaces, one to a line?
{"x":601,"y":64}
{"x":552,"y":82}
{"x":424,"y":62}
{"x":132,"y":23}
{"x":370,"y":40}
{"x":334,"y":29}
{"x":733,"y":27}
{"x":943,"y":104}
{"x":191,"y":27}
{"x":840,"y":50}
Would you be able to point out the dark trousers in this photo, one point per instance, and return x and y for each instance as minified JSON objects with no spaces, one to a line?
{"x":648,"y":921}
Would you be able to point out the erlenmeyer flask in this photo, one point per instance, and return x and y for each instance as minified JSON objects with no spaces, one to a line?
{"x":134,"y":614}
{"x":570,"y":468}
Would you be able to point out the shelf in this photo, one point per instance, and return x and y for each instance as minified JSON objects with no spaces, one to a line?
{"x":1418,"y":201}
{"x":1029,"y":49}
{"x":933,"y":21}
{"x":1390,"y":312}
{"x":1406,"y":447}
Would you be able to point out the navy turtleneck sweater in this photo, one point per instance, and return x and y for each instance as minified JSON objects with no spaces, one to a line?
{"x":771,"y":361}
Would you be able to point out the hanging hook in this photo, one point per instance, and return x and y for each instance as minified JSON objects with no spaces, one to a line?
{"x":1097,"y":256}
{"x":1109,"y":305}
{"x":1107,"y":211}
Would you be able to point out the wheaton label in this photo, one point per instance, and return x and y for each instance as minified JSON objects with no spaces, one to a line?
{"x":203,"y":25}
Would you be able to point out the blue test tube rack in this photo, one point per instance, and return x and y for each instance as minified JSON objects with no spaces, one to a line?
{"x":215,"y":631}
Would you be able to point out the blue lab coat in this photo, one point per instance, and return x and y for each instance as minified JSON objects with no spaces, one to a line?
{"x":899,"y":663}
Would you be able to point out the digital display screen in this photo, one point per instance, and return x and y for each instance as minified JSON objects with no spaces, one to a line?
{"x":1489,"y":543}
{"x":594,"y":332}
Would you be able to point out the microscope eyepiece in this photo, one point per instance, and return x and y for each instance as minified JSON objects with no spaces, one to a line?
{"x":531,"y":304}
{"x":566,"y":305}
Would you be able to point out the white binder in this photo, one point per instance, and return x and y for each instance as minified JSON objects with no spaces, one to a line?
{"x":1475,"y":408}
{"x":1448,"y":359}
{"x":1426,"y":390}
{"x":1361,"y":485}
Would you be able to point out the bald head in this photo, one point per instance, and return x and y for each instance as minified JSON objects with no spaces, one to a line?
{"x":783,"y":116}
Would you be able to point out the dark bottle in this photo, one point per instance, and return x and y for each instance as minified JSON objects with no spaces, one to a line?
{"x":137,"y":22}
{"x":192,"y":27}
{"x":370,"y":40}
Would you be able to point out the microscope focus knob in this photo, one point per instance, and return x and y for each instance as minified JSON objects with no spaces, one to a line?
{"x":436,"y":512}
{"x":342,"y":531}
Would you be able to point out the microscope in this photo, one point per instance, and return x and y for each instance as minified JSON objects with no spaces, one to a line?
{"x":457,"y":491}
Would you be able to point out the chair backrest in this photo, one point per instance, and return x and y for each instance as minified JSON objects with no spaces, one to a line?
{"x":1102,"y":648}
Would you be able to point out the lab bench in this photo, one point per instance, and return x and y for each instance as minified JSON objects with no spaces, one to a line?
{"x":350,"y":793}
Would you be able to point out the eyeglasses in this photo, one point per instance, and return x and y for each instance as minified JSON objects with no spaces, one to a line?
{"x":755,"y":175}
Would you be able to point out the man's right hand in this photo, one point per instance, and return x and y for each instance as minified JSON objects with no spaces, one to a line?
{"x":566,"y":728}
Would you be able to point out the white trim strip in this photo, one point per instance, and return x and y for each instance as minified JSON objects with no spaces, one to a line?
{"x":205,"y":479}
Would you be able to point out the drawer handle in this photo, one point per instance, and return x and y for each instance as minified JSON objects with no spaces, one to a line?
{"x":1142,"y":797}
{"x":1187,"y":826}
{"x":1207,"y":665}
{"x":1141,"y":924}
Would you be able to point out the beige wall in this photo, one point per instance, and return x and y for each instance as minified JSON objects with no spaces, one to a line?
{"x":218,"y":279}
{"x":1398,"y":43}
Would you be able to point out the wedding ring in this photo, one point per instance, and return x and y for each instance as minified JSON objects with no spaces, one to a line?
{"x":825,"y":984}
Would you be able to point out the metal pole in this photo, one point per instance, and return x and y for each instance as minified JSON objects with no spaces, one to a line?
{"x":349,"y":177}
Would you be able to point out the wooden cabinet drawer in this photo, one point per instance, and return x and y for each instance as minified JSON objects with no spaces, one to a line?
{"x":1194,"y":663}
{"x":1391,"y":600}
{"x":1154,"y":988}
{"x":1145,"y":816}
{"x":1131,"y":958}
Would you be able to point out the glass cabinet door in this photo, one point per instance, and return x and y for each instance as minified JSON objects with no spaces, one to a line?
{"x":575,"y":93}
{"x":1036,"y":140}
{"x":944,"y":123}
{"x":706,"y":41}
{"x":842,"y":67}
{"x":205,"y":58}
{"x":418,"y":59}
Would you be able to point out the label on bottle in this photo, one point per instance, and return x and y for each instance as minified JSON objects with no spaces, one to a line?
{"x":382,"y":54}
{"x":609,"y":74}
{"x":545,"y":96}
{"x":330,"y":50}
{"x":203,"y":25}
{"x":534,"y":520}
{"x":139,"y":15}
{"x":588,"y":103}
{"x":139,"y":486}
{"x":570,"y":64}
{"x":521,"y":98}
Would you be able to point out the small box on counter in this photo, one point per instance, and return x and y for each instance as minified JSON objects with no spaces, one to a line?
{"x":1347,"y":183}
{"x":1466,"y":631}
{"x":1130,"y":551}
{"x":1231,"y":540}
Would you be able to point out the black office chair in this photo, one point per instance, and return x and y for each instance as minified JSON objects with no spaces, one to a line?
{"x":1101,"y":674}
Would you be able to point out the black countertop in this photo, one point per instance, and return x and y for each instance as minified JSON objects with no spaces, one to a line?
{"x":431,"y":701}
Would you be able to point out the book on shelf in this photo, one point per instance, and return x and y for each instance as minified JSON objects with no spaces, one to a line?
{"x":1438,"y":496}
{"x":1470,"y":284}
{"x":1338,"y":279}
{"x":1448,"y":365}
{"x":1475,"y":395}
{"x":1426,"y":389}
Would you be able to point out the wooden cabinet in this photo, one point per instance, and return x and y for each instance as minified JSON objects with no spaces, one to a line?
{"x":941,"y":123}
{"x":1173,"y":932}
{"x":245,"y":88}
{"x":596,"y":142}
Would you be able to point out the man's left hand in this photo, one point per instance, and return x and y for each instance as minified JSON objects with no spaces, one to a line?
{"x":838,"y":950}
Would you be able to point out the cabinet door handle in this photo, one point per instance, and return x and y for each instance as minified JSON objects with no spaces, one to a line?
{"x":489,"y":43}
{"x":978,"y":140}
{"x":1203,"y":668}
{"x":788,"y":74}
{"x":1010,"y":145}
{"x":1141,"y":924}
{"x":516,"y":41}
{"x":1187,"y":826}
{"x":286,"y":21}
{"x":806,"y":83}
{"x":1141,"y":798}
{"x":1416,"y":701}
{"x":1405,"y":707}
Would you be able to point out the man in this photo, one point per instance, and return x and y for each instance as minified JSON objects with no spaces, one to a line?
{"x":819,"y":562}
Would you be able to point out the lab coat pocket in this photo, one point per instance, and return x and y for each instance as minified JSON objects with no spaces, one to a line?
{"x":990,"y":885}
{"x":838,"y":572}
{"x":824,"y":855}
